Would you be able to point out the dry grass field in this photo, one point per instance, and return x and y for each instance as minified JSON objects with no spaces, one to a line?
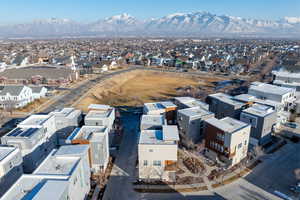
{"x":138,"y":87}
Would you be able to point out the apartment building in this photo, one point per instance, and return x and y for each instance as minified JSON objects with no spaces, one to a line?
{"x":262,"y":120}
{"x":157,"y":153}
{"x":10,"y":167}
{"x":64,"y":174}
{"x":226,"y":140}
{"x":224,"y":105}
{"x":191,"y":122}
{"x":35,"y":137}
{"x":152,"y":122}
{"x":189,"y":102}
{"x":166,"y":108}
{"x":98,"y":140}
{"x":100,"y":115}
{"x":284,"y":95}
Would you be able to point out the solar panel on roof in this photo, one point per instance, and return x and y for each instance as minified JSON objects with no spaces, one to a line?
{"x":28,"y":132}
{"x":15,"y":132}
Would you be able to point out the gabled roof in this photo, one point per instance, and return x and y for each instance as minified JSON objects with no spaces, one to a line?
{"x":13,"y":90}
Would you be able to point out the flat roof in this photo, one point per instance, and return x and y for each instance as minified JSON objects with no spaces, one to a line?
{"x":55,"y":165}
{"x":153,"y":119}
{"x":22,"y":132}
{"x":36,"y":187}
{"x":35,"y":120}
{"x":191,"y":102}
{"x":50,"y":189}
{"x":72,"y":150}
{"x":98,"y":114}
{"x":268,"y":88}
{"x":98,"y":107}
{"x":170,"y":133}
{"x":227,"y":124}
{"x":65,"y":112}
{"x":85,"y":132}
{"x":154,"y":106}
{"x":259,"y":110}
{"x":156,"y":137}
{"x":227,"y":99}
{"x":196,"y":111}
{"x":5,"y":151}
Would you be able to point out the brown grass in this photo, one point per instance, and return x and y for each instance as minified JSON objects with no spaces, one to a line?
{"x":138,"y":87}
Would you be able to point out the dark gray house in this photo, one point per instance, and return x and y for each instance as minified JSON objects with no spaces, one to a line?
{"x":262,"y":119}
{"x":224,"y":105}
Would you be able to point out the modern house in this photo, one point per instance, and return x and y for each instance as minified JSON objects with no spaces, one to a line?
{"x":190,"y":122}
{"x":285,"y":78}
{"x":189,"y":102}
{"x":262,"y":120}
{"x":166,"y":108}
{"x":66,"y":117}
{"x":284,"y":95}
{"x":224,"y":105}
{"x":226,"y":140}
{"x":98,"y":140}
{"x":157,"y":153}
{"x":282,"y":115}
{"x":15,"y":96}
{"x":10,"y":167}
{"x":100,"y":115}
{"x":152,"y":122}
{"x":35,"y":137}
{"x":64,"y":174}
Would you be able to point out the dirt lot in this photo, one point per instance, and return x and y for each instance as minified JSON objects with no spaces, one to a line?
{"x":135,"y":88}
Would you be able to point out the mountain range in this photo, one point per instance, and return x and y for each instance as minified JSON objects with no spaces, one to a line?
{"x":196,"y":24}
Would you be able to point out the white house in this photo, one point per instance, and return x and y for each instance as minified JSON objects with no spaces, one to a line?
{"x":98,"y":139}
{"x":226,"y":140}
{"x":157,"y":153}
{"x":64,"y":174}
{"x":38,"y":92}
{"x":35,"y":137}
{"x":100,"y":115}
{"x":10,"y":167}
{"x":16,"y":95}
{"x":284,"y":95}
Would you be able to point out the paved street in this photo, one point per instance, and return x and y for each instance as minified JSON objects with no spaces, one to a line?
{"x":123,"y":174}
{"x":277,"y":170}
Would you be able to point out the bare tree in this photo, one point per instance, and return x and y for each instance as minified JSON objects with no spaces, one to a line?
{"x":258,"y":151}
{"x":9,"y":105}
{"x":297,"y":173}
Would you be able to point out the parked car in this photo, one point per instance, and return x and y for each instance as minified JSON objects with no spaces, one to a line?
{"x":291,"y":125}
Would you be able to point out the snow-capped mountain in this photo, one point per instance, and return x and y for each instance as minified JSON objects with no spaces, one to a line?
{"x":177,"y":24}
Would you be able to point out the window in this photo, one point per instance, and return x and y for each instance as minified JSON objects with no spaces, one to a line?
{"x":150,"y":150}
{"x":240,"y":145}
{"x":156,"y":163}
{"x":145,"y":162}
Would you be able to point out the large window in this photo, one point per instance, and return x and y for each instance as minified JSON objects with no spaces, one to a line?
{"x":157,"y":163}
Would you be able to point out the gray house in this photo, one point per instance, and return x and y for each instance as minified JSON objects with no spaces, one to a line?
{"x":262,"y":119}
{"x":224,"y":105}
{"x":190,"y":122}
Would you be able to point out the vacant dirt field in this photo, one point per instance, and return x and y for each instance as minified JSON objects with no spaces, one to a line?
{"x":138,"y":87}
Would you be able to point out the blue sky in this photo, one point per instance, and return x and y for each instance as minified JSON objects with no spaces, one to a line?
{"x":13,"y":11}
